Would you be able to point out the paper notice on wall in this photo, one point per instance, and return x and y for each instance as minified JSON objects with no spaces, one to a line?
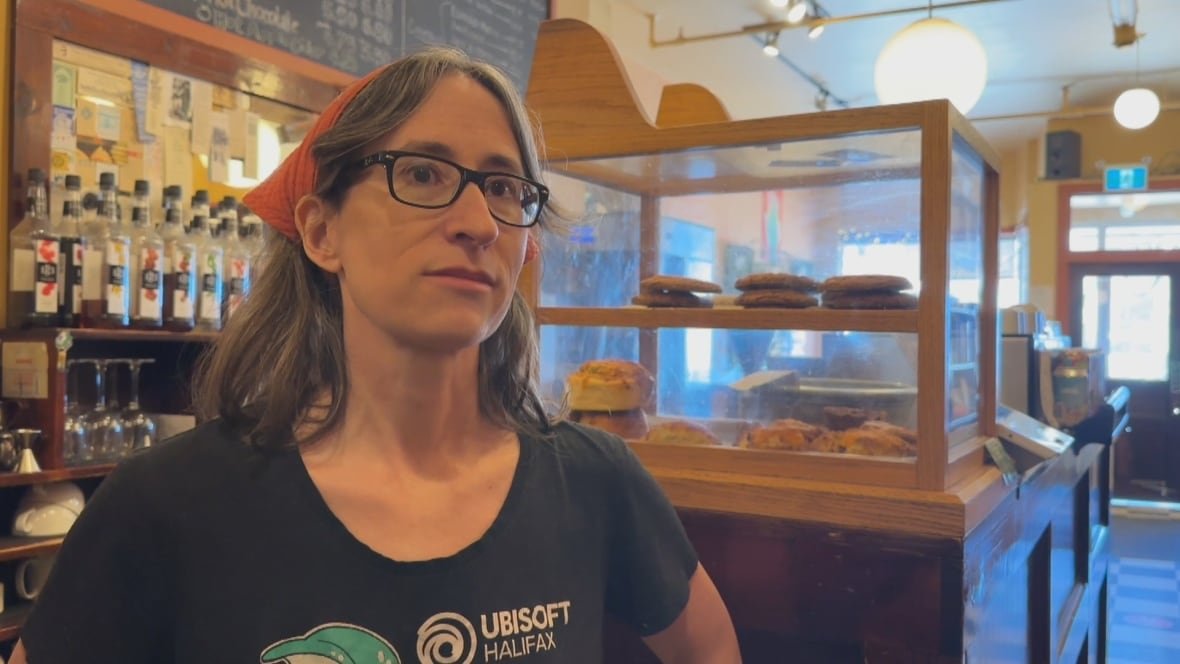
{"x":101,"y":85}
{"x":64,"y":135}
{"x":157,"y":107}
{"x":250,"y":160}
{"x":109,"y":125}
{"x":26,"y":370}
{"x":139,"y":88}
{"x":201,"y":112}
{"x":178,"y":157}
{"x":237,"y":133}
{"x":219,"y":147}
{"x":63,"y":162}
{"x":178,"y":100}
{"x":65,"y":84}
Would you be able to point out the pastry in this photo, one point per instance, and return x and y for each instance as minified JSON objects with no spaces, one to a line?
{"x":908,"y":435}
{"x":671,"y":299}
{"x":859,"y":283}
{"x":870,"y":300}
{"x":629,"y":424}
{"x":785,"y":299}
{"x":609,"y":386}
{"x":840,"y":418}
{"x":777,"y":281}
{"x":831,"y":442}
{"x":781,"y":435}
{"x":867,"y":442}
{"x":663,"y":283}
{"x":681,"y":433}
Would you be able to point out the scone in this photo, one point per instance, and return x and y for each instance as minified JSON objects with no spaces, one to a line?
{"x":787,"y":434}
{"x":867,"y":442}
{"x":681,"y":433}
{"x":609,"y":385}
{"x":629,"y":424}
{"x":908,"y":435}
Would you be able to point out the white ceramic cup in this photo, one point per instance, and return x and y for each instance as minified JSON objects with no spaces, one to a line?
{"x":31,"y":575}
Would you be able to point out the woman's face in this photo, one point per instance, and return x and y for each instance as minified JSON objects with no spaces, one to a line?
{"x":437,"y":279}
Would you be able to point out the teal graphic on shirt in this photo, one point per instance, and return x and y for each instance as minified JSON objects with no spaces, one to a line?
{"x":338,"y":643}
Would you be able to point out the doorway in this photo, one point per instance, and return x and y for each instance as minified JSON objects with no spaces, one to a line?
{"x":1132,"y":312}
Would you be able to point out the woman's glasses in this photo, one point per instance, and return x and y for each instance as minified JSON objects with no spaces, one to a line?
{"x":430,"y":182}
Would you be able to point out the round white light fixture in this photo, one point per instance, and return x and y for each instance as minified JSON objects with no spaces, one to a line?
{"x":932,"y":59}
{"x":797,"y":12}
{"x":770,"y":50}
{"x":1136,"y":108}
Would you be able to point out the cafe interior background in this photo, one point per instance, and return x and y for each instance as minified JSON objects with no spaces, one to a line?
{"x":1079,"y":98}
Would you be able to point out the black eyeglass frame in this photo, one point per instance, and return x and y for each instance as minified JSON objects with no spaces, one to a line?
{"x":387,"y":158}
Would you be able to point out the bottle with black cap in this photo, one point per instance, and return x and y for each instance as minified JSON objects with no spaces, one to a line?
{"x":182,"y":275}
{"x":237,"y":257}
{"x":211,"y":264}
{"x":35,"y":251}
{"x":116,"y":258}
{"x":147,"y":261}
{"x":95,"y":232}
{"x":70,"y":232}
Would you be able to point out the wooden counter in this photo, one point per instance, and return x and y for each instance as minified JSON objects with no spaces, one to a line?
{"x":832,"y":573}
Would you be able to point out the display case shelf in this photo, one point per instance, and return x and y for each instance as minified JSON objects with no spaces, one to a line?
{"x":56,"y":475}
{"x":18,"y":548}
{"x":103,"y":334}
{"x":733,"y":318}
{"x":12,"y":621}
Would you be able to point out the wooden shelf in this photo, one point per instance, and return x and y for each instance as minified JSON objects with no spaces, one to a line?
{"x":17,"y":548}
{"x":733,"y":318}
{"x":56,"y":475}
{"x":13,"y":620}
{"x":99,"y":334}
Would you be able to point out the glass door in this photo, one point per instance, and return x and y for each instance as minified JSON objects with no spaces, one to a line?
{"x":1131,"y":311}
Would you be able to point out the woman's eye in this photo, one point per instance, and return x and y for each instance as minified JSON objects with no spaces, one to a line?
{"x":422,"y":174}
{"x":503,"y":188}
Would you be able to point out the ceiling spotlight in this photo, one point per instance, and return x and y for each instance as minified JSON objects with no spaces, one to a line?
{"x":797,"y":12}
{"x":816,"y":31}
{"x":770,"y":47}
{"x":1136,"y":108}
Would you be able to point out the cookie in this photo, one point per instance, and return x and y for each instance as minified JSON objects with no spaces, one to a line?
{"x":878,"y":300}
{"x":662,"y":283}
{"x":785,"y":299}
{"x":865,"y":282}
{"x":777,"y":281}
{"x":840,"y":418}
{"x":671,"y":299}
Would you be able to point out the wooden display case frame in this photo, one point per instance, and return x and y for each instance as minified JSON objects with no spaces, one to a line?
{"x":588,"y":109}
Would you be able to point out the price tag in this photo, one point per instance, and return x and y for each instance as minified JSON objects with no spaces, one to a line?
{"x":1003,"y":461}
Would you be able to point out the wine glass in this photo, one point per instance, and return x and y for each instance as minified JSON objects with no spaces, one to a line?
{"x":138,"y":426}
{"x":77,"y":448}
{"x":104,"y":428}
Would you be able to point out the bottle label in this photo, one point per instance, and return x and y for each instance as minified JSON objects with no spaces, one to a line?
{"x":23,"y":266}
{"x":117,"y":259}
{"x":45,"y":299}
{"x":182,"y":293}
{"x":92,"y":273}
{"x":149,"y":301}
{"x":239,"y":282}
{"x":76,"y":275}
{"x":211,"y":285}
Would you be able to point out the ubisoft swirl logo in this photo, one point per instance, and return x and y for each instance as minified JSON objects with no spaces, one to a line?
{"x":446,"y":638}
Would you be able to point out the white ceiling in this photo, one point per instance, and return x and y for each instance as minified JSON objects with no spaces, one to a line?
{"x":1034,"y":47}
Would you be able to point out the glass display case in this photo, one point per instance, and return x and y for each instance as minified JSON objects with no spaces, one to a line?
{"x":890,"y":384}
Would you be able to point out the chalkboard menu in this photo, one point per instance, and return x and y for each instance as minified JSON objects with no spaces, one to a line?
{"x":358,"y":36}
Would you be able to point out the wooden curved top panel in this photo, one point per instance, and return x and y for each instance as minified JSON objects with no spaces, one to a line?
{"x":688,"y":104}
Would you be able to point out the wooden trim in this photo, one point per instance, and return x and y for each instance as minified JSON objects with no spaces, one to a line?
{"x":819,"y":319}
{"x":12,"y":620}
{"x":16,"y":548}
{"x":814,"y":466}
{"x":965,"y":460}
{"x":963,"y":127}
{"x":6,"y":122}
{"x":1065,"y":258}
{"x":649,"y":257}
{"x":687,"y":104}
{"x":836,"y":504}
{"x":143,"y":32}
{"x":932,"y":310}
{"x":989,"y":324}
{"x":81,"y":472}
{"x":1123,"y":257}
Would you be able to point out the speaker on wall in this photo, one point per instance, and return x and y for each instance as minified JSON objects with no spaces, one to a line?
{"x":1063,"y":155}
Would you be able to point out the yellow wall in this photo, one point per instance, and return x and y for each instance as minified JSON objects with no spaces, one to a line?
{"x":1022,"y":189}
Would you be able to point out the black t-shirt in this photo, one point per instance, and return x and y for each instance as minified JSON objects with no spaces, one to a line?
{"x":204,"y":550}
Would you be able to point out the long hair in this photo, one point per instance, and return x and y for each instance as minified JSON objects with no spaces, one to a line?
{"x":282,"y":352}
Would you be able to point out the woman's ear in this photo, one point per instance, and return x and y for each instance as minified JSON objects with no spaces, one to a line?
{"x":315,"y":221}
{"x":532,"y":248}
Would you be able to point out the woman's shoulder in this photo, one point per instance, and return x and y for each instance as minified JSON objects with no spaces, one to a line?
{"x":580,"y":447}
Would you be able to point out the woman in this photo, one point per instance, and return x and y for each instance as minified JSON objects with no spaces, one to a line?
{"x":380,"y":481}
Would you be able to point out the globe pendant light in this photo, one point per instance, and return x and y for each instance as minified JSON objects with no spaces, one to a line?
{"x":1136,"y":108}
{"x":932,"y":59}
